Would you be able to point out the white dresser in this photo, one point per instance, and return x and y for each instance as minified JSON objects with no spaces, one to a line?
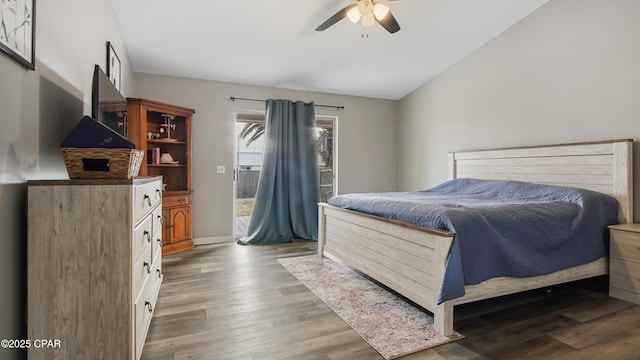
{"x":94,"y":266}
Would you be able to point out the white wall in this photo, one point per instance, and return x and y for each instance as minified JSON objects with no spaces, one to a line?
{"x":567,"y":73}
{"x":37,"y":110}
{"x":367,"y":140}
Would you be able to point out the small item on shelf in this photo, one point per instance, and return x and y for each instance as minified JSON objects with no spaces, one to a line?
{"x":166,"y":158}
{"x":167,"y":126}
{"x":153,"y":156}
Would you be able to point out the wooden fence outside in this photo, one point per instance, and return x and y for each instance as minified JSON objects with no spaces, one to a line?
{"x":247,"y":183}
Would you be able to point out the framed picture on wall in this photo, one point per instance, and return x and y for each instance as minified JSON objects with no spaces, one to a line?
{"x":17,"y":31}
{"x":113,"y":66}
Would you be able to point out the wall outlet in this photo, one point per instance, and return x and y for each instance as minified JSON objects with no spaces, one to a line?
{"x":221,"y":169}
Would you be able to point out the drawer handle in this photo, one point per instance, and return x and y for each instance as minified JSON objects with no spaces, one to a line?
{"x":149,"y":306}
{"x":181,"y":200}
{"x":148,"y":198}
{"x":159,"y":242}
{"x":146,"y":233}
{"x":146,"y":264}
{"x":159,"y":193}
{"x":159,"y":273}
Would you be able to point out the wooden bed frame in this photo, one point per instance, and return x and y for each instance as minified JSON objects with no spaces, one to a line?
{"x":411,"y":259}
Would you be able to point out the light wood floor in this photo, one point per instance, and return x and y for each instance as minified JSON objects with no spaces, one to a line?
{"x":229,"y":301}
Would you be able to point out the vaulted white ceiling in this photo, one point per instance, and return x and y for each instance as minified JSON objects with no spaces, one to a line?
{"x":274,"y":43}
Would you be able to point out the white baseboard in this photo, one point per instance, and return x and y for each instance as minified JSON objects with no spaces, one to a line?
{"x":213,"y":240}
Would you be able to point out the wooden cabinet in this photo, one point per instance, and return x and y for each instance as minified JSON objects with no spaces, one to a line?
{"x":163,"y":131}
{"x":177,"y":219}
{"x":624,"y":272}
{"x":94,"y":266}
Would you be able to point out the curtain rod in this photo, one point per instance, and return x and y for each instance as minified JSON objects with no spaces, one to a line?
{"x":233,"y":98}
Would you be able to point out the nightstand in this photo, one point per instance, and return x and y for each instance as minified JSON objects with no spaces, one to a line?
{"x":624,"y":262}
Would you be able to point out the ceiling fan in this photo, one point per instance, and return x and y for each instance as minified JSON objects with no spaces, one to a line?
{"x":369,"y":11}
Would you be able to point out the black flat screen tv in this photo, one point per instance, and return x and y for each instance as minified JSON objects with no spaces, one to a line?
{"x":108,"y":106}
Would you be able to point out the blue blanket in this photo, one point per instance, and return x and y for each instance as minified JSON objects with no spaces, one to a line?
{"x":502,"y":228}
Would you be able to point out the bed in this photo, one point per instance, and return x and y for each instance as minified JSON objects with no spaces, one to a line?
{"x":412,"y":259}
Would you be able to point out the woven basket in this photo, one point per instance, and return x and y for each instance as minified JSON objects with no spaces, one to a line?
{"x":101,"y":163}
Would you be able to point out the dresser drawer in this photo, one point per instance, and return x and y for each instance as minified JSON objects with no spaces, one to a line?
{"x":156,"y":245}
{"x":625,"y":245}
{"x":144,"y":308}
{"x":176,"y":200}
{"x":625,"y":275}
{"x":142,"y":237}
{"x":142,"y":269}
{"x":156,"y":217}
{"x":156,"y":273}
{"x":146,"y":197}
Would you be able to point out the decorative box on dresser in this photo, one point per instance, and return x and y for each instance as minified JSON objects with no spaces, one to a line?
{"x":159,"y":128}
{"x":94,"y":266}
{"x":624,"y":272}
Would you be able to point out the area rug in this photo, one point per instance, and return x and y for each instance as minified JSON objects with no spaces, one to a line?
{"x":389,"y":324}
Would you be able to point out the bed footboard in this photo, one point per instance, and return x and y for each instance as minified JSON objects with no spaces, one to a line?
{"x":406,"y":258}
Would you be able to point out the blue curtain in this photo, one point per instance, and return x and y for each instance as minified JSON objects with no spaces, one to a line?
{"x":286,"y":206}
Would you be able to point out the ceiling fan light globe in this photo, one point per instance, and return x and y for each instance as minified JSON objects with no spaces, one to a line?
{"x":380,"y":10}
{"x":354,"y":14}
{"x":368,"y":20}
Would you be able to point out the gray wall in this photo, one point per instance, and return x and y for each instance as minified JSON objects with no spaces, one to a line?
{"x":567,"y":73}
{"x":366,"y":134}
{"x":37,"y":110}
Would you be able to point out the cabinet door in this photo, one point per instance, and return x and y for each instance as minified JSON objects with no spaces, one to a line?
{"x":179,"y":220}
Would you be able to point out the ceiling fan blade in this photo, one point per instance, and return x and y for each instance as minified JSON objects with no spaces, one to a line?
{"x":389,"y":22}
{"x":335,"y":18}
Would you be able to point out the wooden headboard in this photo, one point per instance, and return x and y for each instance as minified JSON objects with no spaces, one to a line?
{"x":605,"y":166}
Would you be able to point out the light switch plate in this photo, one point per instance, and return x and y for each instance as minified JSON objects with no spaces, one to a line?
{"x":221,"y":169}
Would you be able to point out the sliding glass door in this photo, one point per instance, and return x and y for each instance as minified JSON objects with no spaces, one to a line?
{"x":248,"y":163}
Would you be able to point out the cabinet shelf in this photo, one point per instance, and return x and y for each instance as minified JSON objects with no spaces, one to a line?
{"x":167,"y":165}
{"x":165,"y":142}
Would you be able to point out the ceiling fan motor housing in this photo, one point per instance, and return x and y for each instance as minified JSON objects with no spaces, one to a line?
{"x":369,"y":11}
